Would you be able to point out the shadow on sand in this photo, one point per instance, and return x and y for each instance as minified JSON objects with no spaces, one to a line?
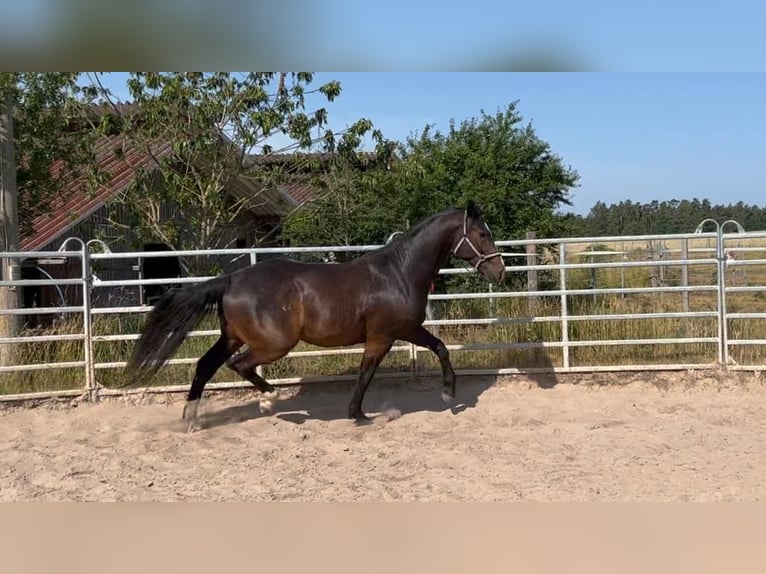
{"x":540,"y":369}
{"x":385,"y":398}
{"x":330,"y":402}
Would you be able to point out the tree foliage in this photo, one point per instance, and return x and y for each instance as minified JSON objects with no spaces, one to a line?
{"x":219,"y":125}
{"x":353,"y":205}
{"x":502,"y":164}
{"x":52,"y":125}
{"x":513,"y":174}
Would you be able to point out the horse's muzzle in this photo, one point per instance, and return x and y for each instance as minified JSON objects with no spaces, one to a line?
{"x":493,"y":270}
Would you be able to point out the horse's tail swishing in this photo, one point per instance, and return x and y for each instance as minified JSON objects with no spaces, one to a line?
{"x":177,"y":313}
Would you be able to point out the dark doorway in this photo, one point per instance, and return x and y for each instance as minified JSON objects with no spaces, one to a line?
{"x":159,"y":268}
{"x":41,"y":296}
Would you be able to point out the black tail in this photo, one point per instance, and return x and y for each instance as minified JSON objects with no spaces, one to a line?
{"x":177,"y":313}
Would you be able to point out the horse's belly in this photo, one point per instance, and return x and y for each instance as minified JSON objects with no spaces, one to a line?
{"x":331,"y":325}
{"x":332,"y":337}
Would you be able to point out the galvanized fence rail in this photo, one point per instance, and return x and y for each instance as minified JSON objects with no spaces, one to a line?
{"x":716,"y":255}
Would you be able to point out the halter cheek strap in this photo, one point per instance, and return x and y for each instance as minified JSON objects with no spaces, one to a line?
{"x":482,"y":257}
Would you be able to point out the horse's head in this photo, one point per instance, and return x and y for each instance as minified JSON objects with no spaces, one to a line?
{"x":474,"y":244}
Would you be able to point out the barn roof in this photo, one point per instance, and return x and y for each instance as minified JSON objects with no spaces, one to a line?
{"x":121,"y":160}
{"x":301,"y":164}
{"x":74,"y":204}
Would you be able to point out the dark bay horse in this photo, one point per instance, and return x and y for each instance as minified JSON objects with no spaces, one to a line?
{"x":375,"y":299}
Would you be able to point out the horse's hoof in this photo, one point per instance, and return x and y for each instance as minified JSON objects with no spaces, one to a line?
{"x":362,"y":421}
{"x":190,"y":414}
{"x":358,"y":416}
{"x":267,"y":400}
{"x":265,"y":406}
{"x":447,"y":398}
{"x":190,"y":410}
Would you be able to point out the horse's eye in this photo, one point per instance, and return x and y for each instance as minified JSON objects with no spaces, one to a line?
{"x":482,"y":233}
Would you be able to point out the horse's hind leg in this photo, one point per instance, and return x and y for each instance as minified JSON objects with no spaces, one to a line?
{"x":207,"y":365}
{"x":245,"y":364}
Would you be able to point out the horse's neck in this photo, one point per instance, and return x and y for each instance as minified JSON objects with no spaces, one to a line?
{"x":428,"y":253}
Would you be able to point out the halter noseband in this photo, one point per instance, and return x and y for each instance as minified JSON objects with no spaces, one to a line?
{"x":479,"y":254}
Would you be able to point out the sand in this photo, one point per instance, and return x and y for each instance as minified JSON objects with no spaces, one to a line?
{"x":612,"y":437}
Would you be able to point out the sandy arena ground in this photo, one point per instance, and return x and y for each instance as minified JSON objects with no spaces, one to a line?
{"x":648,"y":436}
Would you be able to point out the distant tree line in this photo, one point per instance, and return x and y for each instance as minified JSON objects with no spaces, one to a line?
{"x":661,"y":217}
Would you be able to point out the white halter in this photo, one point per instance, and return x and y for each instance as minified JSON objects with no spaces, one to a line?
{"x":479,"y":254}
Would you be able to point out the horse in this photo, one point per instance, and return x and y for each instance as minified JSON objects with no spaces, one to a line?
{"x":269,"y":307}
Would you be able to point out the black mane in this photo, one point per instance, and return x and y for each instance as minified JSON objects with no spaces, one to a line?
{"x":406,"y":238}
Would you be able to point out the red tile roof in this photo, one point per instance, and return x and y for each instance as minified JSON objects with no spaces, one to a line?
{"x":300,"y":156}
{"x":74,"y":204}
{"x":300,"y":192}
{"x":121,"y":160}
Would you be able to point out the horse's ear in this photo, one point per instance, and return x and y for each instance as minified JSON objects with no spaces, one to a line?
{"x":472,"y":209}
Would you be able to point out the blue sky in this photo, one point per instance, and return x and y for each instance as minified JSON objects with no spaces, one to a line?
{"x":590,"y":35}
{"x":638,"y":136}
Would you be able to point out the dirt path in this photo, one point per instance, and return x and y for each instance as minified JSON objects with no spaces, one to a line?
{"x":652,"y":437}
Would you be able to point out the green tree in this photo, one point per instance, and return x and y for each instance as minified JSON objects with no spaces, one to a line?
{"x":351,"y":206}
{"x":495,"y":159}
{"x":46,"y":135}
{"x":221,"y":127}
{"x":54,"y":133}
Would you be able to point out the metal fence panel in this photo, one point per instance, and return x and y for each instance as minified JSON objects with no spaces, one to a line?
{"x":583,"y":290}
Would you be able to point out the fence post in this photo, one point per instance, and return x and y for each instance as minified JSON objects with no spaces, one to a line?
{"x":720,"y":253}
{"x":531,"y":249}
{"x":721,"y":289}
{"x":722,"y":300}
{"x":564,"y":307}
{"x":722,"y":266}
{"x":721,"y":296}
{"x":491,"y":300}
{"x":685,"y":273}
{"x":414,"y":359}
{"x":652,"y":258}
{"x":90,"y":370}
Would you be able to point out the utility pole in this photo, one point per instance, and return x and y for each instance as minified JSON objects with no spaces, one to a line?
{"x":9,"y":227}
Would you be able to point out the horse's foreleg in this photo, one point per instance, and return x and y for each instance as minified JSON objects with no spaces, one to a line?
{"x":374,"y":352}
{"x":421,"y":337}
{"x":208,"y":364}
